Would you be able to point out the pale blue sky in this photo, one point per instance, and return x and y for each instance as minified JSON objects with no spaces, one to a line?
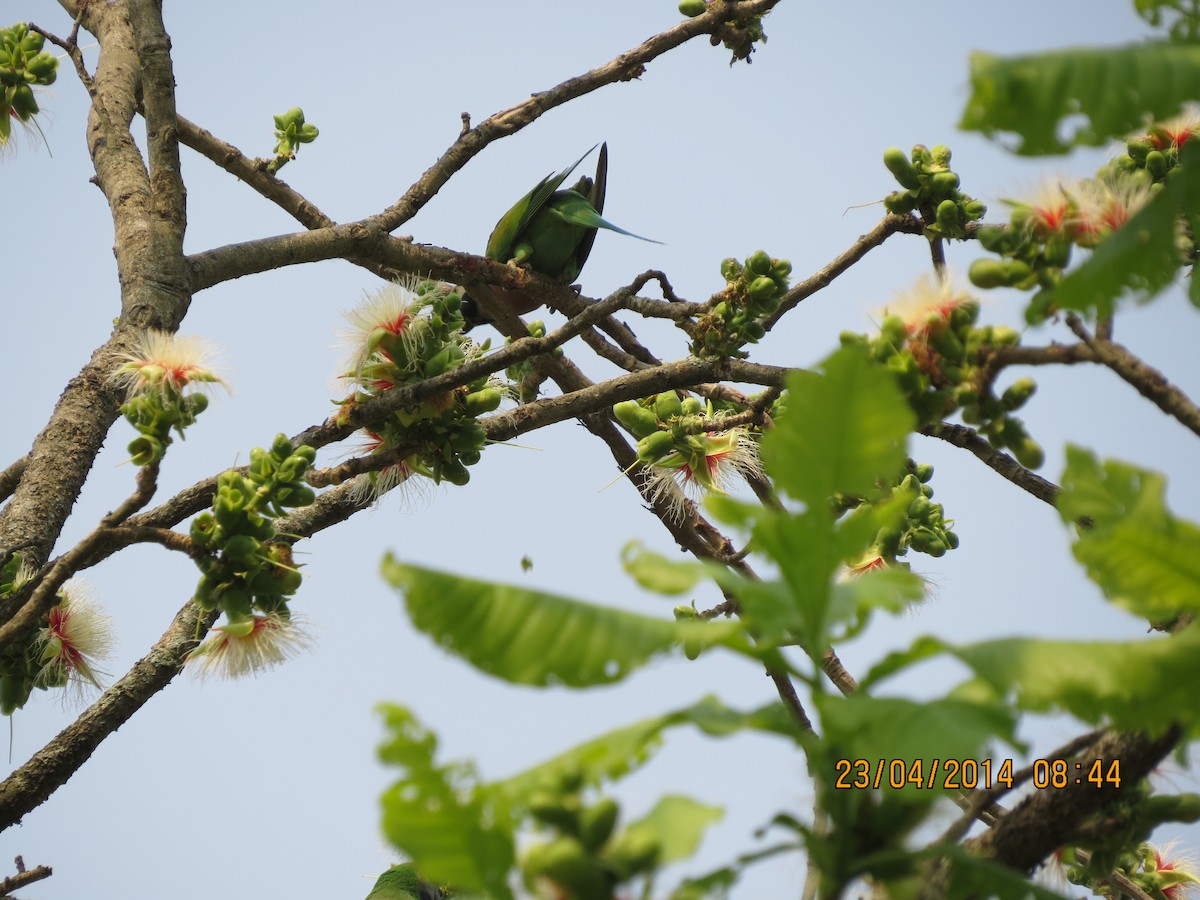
{"x":269,"y":786}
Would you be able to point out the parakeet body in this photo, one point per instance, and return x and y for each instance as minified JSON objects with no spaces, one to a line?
{"x":550,"y":231}
{"x":400,"y":882}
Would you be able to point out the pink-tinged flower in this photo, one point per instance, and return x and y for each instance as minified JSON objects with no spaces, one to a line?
{"x":77,"y":633}
{"x":1174,"y":133}
{"x":708,"y":463}
{"x":1049,"y":210}
{"x":168,"y":362}
{"x":1173,"y":874}
{"x":370,"y":486}
{"x":1104,"y":205}
{"x":927,"y":306}
{"x":388,"y":326}
{"x":250,"y":646}
{"x":868,"y":562}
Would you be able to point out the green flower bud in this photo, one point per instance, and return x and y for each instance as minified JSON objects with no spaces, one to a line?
{"x":242,"y":549}
{"x":555,"y":810}
{"x":692,"y":8}
{"x":692,"y":406}
{"x":1156,"y":164}
{"x":940,"y":154}
{"x":1138,"y":150}
{"x":1057,"y":251}
{"x":667,"y":405}
{"x":996,"y":238}
{"x":565,"y":862}
{"x":900,"y":202}
{"x":924,"y":472}
{"x":1029,"y":453}
{"x":684,"y":613}
{"x":758,"y":263}
{"x":633,"y":852}
{"x":781,"y":269}
{"x":731,"y":269}
{"x":484,"y":401}
{"x":947,"y":216}
{"x":596,"y":823}
{"x":761,"y":288}
{"x":900,"y":167}
{"x":753,"y":332}
{"x":943,"y":184}
{"x":654,"y":447}
{"x":639,"y":420}
{"x":1017,"y":393}
{"x":14,"y":693}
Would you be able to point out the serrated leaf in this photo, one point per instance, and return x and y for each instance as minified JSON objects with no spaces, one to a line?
{"x":677,"y":824}
{"x":621,"y":751}
{"x":843,"y":429}
{"x":437,"y":814}
{"x":1035,"y":97}
{"x":1144,"y":685}
{"x":529,"y":637}
{"x":887,"y":728}
{"x":1142,"y":557}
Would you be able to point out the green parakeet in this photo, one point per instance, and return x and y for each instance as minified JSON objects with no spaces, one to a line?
{"x":550,"y":231}
{"x":401,"y":883}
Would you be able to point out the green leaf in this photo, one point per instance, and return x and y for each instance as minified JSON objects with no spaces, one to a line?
{"x":1143,"y":558}
{"x":974,"y":876}
{"x":1144,"y":685}
{"x":528,"y":637}
{"x":436,"y":814}
{"x":843,"y":429}
{"x":655,"y":572}
{"x":1034,"y":97}
{"x":677,"y":824}
{"x":1141,"y":257}
{"x":623,"y":750}
{"x":887,"y":728}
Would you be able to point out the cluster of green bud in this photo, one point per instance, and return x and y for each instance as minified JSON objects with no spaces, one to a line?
{"x":290,"y":132}
{"x":587,"y":859}
{"x":938,"y":362}
{"x":154,"y":413}
{"x":443,"y":430}
{"x":59,"y":651}
{"x":1155,"y":154}
{"x":738,"y":36}
{"x":23,"y":65}
{"x":247,"y":568}
{"x":753,"y":292}
{"x":523,"y":375}
{"x":929,"y":184}
{"x":923,"y":527}
{"x":667,"y":431}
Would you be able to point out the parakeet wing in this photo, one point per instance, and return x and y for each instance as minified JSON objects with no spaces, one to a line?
{"x":508,"y":230}
{"x":595,"y":197}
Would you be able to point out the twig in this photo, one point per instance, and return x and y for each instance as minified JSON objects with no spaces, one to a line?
{"x":11,"y":477}
{"x":1148,"y":381}
{"x":23,"y":878}
{"x":998,"y":461}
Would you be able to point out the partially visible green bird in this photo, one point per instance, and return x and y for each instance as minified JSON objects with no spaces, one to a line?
{"x":550,"y":231}
{"x":400,"y":882}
